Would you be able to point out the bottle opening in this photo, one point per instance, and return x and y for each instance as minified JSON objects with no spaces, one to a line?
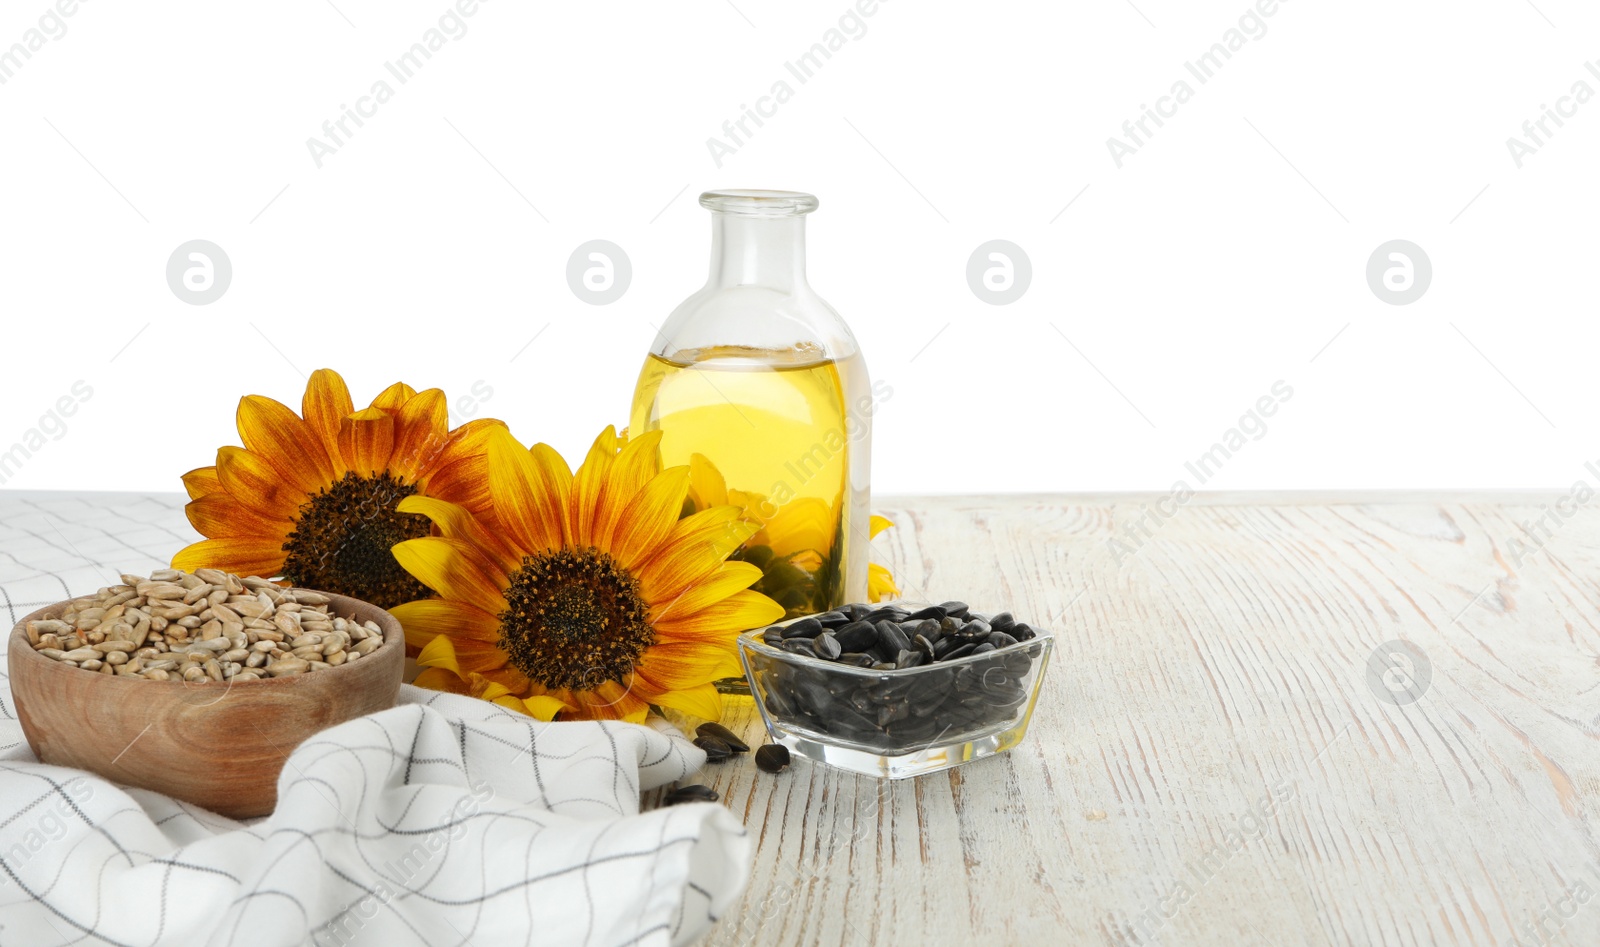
{"x":756,"y":203}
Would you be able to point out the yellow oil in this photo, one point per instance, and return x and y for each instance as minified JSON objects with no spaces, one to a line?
{"x":771,"y":431}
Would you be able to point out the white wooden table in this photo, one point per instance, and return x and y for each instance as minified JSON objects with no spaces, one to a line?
{"x":1223,"y":661}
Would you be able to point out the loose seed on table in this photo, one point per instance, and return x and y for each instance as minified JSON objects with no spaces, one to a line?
{"x":719,"y":732}
{"x":691,"y":793}
{"x":716,"y":751}
{"x":772,"y":758}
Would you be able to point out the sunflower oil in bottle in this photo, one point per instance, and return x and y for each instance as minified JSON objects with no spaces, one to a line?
{"x":759,"y":387}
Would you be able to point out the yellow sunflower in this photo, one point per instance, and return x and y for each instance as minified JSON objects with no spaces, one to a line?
{"x":312,"y":497}
{"x":795,"y":535}
{"x":582,"y":593}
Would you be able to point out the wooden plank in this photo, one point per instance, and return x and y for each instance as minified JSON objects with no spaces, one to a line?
{"x":1222,"y":663}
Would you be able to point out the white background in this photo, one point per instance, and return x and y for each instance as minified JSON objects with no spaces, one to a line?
{"x":1224,"y":255}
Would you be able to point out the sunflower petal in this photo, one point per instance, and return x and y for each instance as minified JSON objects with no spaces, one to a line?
{"x":701,"y":701}
{"x":705,"y":482}
{"x":424,"y":619}
{"x":695,"y":549}
{"x":465,"y":483}
{"x":545,"y":707}
{"x":442,"y":679}
{"x":588,"y":488}
{"x":648,"y":518}
{"x":219,"y":515}
{"x":637,"y":464}
{"x":555,"y":472}
{"x":880,"y":583}
{"x":241,"y":556}
{"x":254,"y":483}
{"x":422,"y":428}
{"x":201,"y":482}
{"x":729,"y":578}
{"x":529,"y":497}
{"x":366,"y":441}
{"x":513,"y":680}
{"x":635,"y":467}
{"x":459,"y":471}
{"x":669,"y":667}
{"x":440,"y":652}
{"x":326,"y":402}
{"x":394,"y":396}
{"x":454,"y":521}
{"x":493,"y":691}
{"x":740,"y":611}
{"x":478,"y":657}
{"x":284,"y":440}
{"x":454,"y":569}
{"x":878,"y":525}
{"x":610,"y":701}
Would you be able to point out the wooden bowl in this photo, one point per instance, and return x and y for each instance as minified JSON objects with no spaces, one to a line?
{"x":220,"y":745}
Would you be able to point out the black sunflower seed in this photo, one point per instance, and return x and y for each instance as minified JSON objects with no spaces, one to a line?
{"x":891,"y":640}
{"x":719,"y":732}
{"x":799,"y":646}
{"x":1000,"y":639}
{"x":959,"y":652}
{"x":716,"y":750}
{"x":804,"y":628}
{"x":691,"y":793}
{"x":954,"y":609}
{"x":773,"y":758}
{"x":910,"y":659}
{"x":827,"y":646}
{"x":856,"y":636}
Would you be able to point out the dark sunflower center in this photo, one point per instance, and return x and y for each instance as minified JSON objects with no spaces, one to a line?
{"x":342,"y":537}
{"x":574,"y":618}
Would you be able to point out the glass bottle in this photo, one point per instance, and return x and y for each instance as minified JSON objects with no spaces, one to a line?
{"x":759,"y":386}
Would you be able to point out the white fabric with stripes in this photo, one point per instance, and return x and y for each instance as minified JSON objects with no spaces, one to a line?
{"x":444,"y":821}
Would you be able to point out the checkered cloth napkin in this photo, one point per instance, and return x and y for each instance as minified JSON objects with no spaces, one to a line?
{"x":444,"y":821}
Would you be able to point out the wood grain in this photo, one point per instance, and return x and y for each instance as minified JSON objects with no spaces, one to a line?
{"x":220,"y":745}
{"x":1224,"y":662}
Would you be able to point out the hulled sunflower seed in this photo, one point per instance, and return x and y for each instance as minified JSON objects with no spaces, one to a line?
{"x":205,"y":626}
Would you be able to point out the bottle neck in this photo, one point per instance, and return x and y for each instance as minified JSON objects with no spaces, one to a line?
{"x":758,"y":251}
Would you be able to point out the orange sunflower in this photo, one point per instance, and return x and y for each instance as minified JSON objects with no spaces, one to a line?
{"x":313,"y":497}
{"x":584,"y":593}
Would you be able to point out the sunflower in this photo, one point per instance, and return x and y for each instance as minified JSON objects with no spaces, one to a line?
{"x":583,"y":594}
{"x":313,"y":497}
{"x":792,"y":542}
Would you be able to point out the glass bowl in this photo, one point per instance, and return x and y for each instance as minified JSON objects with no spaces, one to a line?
{"x":896,"y":723}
